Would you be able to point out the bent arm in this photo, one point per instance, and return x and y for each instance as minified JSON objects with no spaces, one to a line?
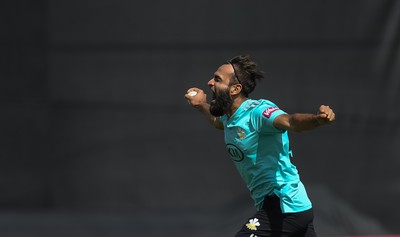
{"x":204,"y":108}
{"x":299,"y":122}
{"x":199,"y":101}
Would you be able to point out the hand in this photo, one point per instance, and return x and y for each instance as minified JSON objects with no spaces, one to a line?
{"x":198,"y":99}
{"x":325,"y":115}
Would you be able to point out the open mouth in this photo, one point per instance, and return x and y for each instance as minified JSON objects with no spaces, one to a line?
{"x":214,"y":97}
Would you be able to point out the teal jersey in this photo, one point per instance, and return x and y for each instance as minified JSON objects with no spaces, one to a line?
{"x":262,"y":154}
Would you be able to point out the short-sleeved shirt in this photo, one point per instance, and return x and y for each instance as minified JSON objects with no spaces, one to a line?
{"x":262,"y":155}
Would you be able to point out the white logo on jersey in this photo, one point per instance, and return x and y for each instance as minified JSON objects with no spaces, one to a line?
{"x":268,"y":111}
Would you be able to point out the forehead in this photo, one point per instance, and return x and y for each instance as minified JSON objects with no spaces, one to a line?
{"x":225,"y":71}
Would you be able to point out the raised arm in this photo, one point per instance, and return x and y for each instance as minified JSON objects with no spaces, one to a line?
{"x":199,"y":101}
{"x":299,"y":122}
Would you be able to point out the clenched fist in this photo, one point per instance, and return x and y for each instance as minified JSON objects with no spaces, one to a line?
{"x":325,"y":115}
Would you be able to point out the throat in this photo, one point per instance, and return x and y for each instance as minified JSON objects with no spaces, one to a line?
{"x":230,"y":112}
{"x":235,"y":107}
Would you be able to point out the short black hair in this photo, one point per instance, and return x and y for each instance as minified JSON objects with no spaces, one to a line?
{"x":246,"y":72}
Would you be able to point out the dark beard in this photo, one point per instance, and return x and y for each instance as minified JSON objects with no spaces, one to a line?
{"x":221,"y":103}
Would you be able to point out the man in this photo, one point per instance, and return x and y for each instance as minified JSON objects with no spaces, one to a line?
{"x":257,"y":140}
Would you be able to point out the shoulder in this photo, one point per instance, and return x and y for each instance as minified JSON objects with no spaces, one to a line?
{"x":265,"y":107}
{"x":263,"y":116}
{"x":266,"y":110}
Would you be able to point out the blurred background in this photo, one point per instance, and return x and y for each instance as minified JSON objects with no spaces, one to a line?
{"x":97,"y":139}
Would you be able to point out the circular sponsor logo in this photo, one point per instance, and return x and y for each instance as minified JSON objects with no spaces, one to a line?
{"x":235,"y":153}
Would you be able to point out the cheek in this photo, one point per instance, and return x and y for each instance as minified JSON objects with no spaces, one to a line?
{"x":221,"y":89}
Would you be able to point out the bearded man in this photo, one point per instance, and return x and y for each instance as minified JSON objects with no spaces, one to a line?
{"x":256,"y":137}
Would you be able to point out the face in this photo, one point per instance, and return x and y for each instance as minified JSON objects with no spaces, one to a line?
{"x":220,"y":85}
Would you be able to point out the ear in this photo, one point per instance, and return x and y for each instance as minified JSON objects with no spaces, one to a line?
{"x":236,"y":89}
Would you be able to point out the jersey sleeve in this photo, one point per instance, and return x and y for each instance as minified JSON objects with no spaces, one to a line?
{"x":263,"y":117}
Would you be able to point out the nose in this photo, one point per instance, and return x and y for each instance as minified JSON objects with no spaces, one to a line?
{"x":211,"y":82}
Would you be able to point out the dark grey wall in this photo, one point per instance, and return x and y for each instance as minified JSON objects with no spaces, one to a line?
{"x":94,"y":119}
{"x":24,"y":112}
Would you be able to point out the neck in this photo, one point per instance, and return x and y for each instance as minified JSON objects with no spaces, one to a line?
{"x":236,"y":104}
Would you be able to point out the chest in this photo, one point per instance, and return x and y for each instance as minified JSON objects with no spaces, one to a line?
{"x":241,"y":139}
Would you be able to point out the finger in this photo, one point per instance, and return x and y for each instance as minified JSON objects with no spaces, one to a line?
{"x":189,"y":90}
{"x":331,"y":114}
{"x":193,"y":89}
{"x":332,"y":117}
{"x":325,"y":116}
{"x":325,"y":109}
{"x":322,"y":116}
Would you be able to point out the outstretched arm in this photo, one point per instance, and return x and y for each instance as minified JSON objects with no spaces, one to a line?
{"x":199,"y":101}
{"x":303,"y":122}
